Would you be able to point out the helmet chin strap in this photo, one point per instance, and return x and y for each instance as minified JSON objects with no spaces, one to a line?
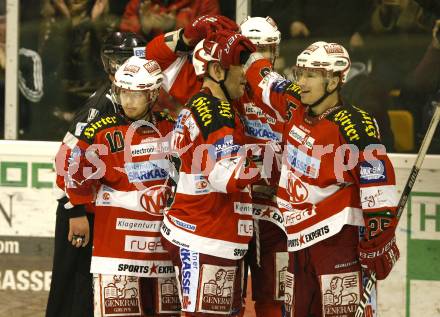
{"x":222,"y":85}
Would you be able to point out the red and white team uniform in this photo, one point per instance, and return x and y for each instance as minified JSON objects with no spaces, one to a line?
{"x":197,"y":125}
{"x":263,"y":121}
{"x":212,"y":212}
{"x":326,"y":193}
{"x":264,"y":125}
{"x":122,"y":169}
{"x":332,"y":184}
{"x":209,"y":224}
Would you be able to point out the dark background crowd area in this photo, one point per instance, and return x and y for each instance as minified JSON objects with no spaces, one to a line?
{"x":396,"y":62}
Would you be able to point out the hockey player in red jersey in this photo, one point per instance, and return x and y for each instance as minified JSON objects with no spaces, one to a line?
{"x":336,"y":178}
{"x":120,"y":164}
{"x":71,"y":288}
{"x":267,"y":256}
{"x":209,"y":224}
{"x":264,"y":122}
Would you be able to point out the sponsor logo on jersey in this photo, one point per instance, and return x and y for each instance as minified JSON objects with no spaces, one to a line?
{"x":93,"y":127}
{"x":340,"y":293}
{"x":266,"y":212}
{"x":308,"y":237}
{"x":370,"y":125}
{"x":301,"y":137}
{"x":200,"y":105}
{"x":149,"y":148}
{"x":143,"y":244}
{"x":137,"y":225}
{"x":155,"y":198}
{"x":119,"y":293}
{"x":201,"y":184}
{"x":216,"y":295}
{"x":190,"y":278}
{"x":378,"y":196}
{"x":245,"y":228}
{"x":296,"y":216}
{"x":165,"y":230}
{"x":372,"y":172}
{"x":251,"y":109}
{"x":240,"y":252}
{"x":169,"y":302}
{"x":183,"y":224}
{"x":144,"y":269}
{"x":298,"y":192}
{"x":225,"y":147}
{"x":146,"y":171}
{"x":259,"y":130}
{"x":224,"y":109}
{"x":347,"y":125}
{"x":132,"y":268}
{"x":242,"y":208}
{"x":303,"y":163}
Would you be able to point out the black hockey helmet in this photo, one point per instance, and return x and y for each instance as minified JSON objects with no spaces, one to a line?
{"x":118,"y":47}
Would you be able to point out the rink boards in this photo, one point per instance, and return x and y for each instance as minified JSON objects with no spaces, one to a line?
{"x":27,"y":221}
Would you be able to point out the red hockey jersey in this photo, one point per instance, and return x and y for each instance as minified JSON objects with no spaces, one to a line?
{"x":335,"y":172}
{"x":263,"y":120}
{"x":212,"y":211}
{"x":122,"y":167}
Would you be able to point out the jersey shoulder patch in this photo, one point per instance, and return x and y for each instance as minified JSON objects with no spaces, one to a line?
{"x":100,"y":123}
{"x":356,"y":125}
{"x":210,"y":113}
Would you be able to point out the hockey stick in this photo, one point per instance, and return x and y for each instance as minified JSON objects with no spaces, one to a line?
{"x":403,"y":199}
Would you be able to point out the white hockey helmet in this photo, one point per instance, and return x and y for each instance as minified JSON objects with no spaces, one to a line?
{"x":332,"y":58}
{"x":264,"y":34}
{"x":138,"y":74}
{"x":261,"y":31}
{"x":201,"y":59}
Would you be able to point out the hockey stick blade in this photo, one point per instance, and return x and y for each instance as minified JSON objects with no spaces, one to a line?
{"x":403,"y":199}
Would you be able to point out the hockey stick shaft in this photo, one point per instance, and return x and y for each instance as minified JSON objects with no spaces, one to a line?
{"x":403,"y":199}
